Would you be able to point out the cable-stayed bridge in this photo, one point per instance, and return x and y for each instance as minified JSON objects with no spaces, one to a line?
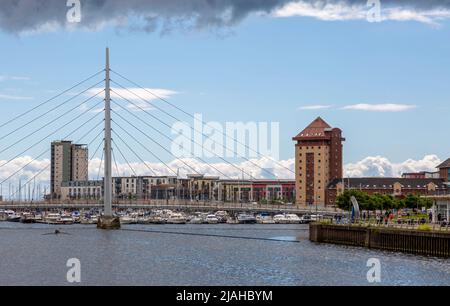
{"x":112,"y":119}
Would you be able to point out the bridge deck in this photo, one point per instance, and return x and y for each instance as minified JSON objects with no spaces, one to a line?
{"x":188,"y":205}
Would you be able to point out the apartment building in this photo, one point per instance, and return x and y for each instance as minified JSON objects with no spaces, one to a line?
{"x":69,"y":162}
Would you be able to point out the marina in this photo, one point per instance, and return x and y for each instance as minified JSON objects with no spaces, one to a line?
{"x":151,"y":216}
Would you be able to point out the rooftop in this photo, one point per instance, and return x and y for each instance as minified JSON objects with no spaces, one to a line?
{"x":445,"y":164}
{"x":316,"y":129}
{"x":387,"y":182}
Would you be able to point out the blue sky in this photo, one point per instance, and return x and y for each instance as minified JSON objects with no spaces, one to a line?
{"x":261,"y":69}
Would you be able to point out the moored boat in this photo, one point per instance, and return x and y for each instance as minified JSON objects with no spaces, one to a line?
{"x":176,"y":218}
{"x":211,"y":219}
{"x":246,"y":219}
{"x":27,"y":218}
{"x":52,"y":218}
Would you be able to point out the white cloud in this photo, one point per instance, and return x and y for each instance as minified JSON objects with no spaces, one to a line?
{"x":381,"y":166}
{"x":134,"y":94}
{"x":321,"y":11}
{"x":341,"y":11}
{"x":367,"y":167}
{"x":387,"y":107}
{"x":314,"y":107}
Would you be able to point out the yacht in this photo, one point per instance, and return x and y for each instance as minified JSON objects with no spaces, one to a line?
{"x":89,"y":220}
{"x":127,"y":220}
{"x":52,"y":218}
{"x":280,"y":219}
{"x":38,"y":218}
{"x":176,"y":218}
{"x":27,"y":218}
{"x":66,"y":219}
{"x":211,"y":219}
{"x":196,"y":220}
{"x":157,"y":220}
{"x":222,"y":216}
{"x":5,"y":214}
{"x":12,"y":216}
{"x":293,"y":219}
{"x":246,"y":219}
{"x":264,"y":219}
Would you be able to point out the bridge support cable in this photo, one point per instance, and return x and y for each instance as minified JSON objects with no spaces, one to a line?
{"x":48,"y":150}
{"x":101,"y":162}
{"x":123,"y":156}
{"x":190,"y":115}
{"x":192,"y":128}
{"x":95,"y":152}
{"x":79,"y":139}
{"x":154,"y":141}
{"x":50,"y":122}
{"x":51,"y":99}
{"x":49,"y":111}
{"x":115,"y":162}
{"x":170,"y":139}
{"x":51,"y":134}
{"x":138,"y":156}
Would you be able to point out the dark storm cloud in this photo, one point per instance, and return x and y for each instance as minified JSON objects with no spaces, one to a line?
{"x":24,"y":15}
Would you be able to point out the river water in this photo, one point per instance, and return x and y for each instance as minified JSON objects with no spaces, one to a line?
{"x":201,"y":255}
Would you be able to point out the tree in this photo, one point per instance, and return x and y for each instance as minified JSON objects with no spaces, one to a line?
{"x":343,"y":201}
{"x":381,"y":201}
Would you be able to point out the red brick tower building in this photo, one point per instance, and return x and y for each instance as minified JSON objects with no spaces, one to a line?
{"x":318,"y":161}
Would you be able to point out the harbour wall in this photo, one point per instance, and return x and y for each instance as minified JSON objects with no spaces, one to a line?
{"x":428,"y":243}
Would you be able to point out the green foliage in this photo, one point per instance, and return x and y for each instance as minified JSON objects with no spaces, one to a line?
{"x":381,"y":201}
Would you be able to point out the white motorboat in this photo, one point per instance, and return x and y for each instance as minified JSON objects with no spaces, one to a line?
{"x":52,"y":218}
{"x":196,"y":220}
{"x":222,"y":216}
{"x":280,"y":219}
{"x":264,"y":219}
{"x":211,"y":219}
{"x":246,"y":219}
{"x":66,"y":219}
{"x":157,"y":220}
{"x":287,"y":219}
{"x":127,"y":220}
{"x":176,"y":218}
{"x":293,"y":219}
{"x":11,"y":216}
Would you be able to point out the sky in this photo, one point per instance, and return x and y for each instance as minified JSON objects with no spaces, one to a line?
{"x":385,"y":83}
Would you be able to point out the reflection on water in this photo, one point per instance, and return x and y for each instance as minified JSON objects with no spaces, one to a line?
{"x":199,"y":255}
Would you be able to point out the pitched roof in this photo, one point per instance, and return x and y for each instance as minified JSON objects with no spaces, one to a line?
{"x":314,"y":129}
{"x":445,"y":164}
{"x":386,"y":182}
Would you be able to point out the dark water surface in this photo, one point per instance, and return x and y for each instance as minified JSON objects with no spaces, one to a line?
{"x":199,"y":255}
